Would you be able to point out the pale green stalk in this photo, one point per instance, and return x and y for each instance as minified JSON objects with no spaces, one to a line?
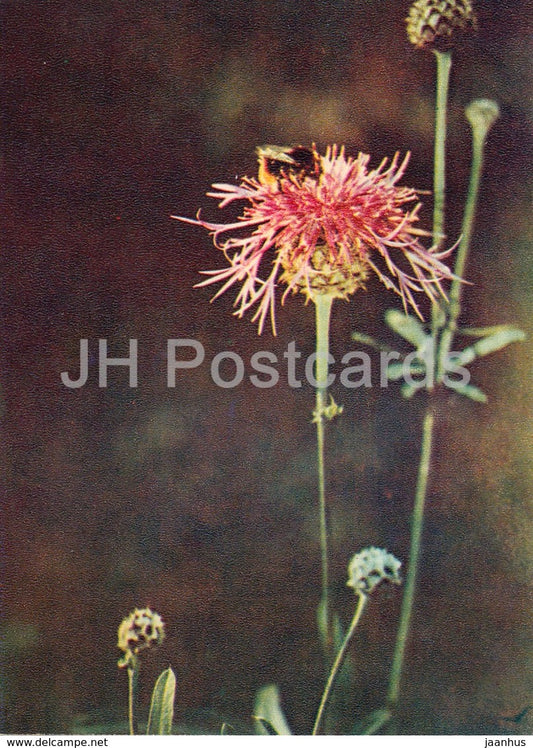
{"x":444,"y":62}
{"x":133,"y":674}
{"x":338,"y":661}
{"x":323,"y":303}
{"x":417,"y":523}
{"x":481,"y":114}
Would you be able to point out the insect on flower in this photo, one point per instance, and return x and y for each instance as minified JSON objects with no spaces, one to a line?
{"x":293,"y":163}
{"x":320,"y":225}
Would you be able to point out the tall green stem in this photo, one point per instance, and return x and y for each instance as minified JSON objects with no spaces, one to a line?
{"x":133,"y":674}
{"x":338,"y":662}
{"x":414,"y":554}
{"x":323,"y":305}
{"x":444,"y":64}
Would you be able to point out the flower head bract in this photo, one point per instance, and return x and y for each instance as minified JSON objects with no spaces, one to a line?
{"x":323,"y":233}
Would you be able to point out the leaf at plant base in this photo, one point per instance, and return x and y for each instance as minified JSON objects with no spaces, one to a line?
{"x":410,"y":328}
{"x":162,"y":705}
{"x":99,"y":728}
{"x":268,"y":713}
{"x":262,"y":727}
{"x":323,"y":624}
{"x":468,"y":390}
{"x":373,"y":722}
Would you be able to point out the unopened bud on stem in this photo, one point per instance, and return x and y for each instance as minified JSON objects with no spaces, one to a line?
{"x":482,"y":114}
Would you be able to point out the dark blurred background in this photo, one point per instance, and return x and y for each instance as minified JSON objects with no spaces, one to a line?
{"x":200,"y":501}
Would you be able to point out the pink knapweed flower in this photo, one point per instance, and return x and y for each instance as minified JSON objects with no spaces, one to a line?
{"x":322,"y":223}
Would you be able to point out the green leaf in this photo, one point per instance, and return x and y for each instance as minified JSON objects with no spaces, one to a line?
{"x":373,"y":722}
{"x":498,"y":340}
{"x":481,"y":332}
{"x":408,"y":390}
{"x":397,"y":369}
{"x":162,"y":705}
{"x":268,"y":712}
{"x":263,"y":727}
{"x":410,"y":328}
{"x":468,"y":390}
{"x":323,"y":623}
{"x":489,"y":344}
{"x":360,"y":337}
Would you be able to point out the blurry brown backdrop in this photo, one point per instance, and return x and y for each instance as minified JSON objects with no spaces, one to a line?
{"x":201,"y":501}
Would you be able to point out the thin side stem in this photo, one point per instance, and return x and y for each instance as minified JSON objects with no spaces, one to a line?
{"x":338,"y":662}
{"x":417,"y":523}
{"x":323,"y":305}
{"x":478,"y":143}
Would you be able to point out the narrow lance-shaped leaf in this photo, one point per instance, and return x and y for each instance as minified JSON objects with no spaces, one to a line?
{"x":361,"y":337}
{"x":398,"y":369}
{"x":268,"y":712}
{"x":370,"y":724}
{"x":483,"y":332}
{"x":489,"y":344}
{"x":162,"y":706}
{"x":468,"y":390}
{"x":410,"y":328}
{"x":263,"y":727}
{"x":499,"y":340}
{"x":322,"y":622}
